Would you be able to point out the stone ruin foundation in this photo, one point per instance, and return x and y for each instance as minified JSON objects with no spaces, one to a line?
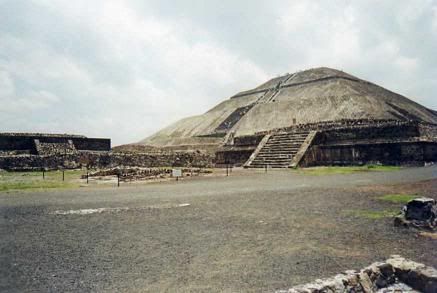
{"x":396,"y":274}
{"x":141,"y":174}
{"x":419,"y":213}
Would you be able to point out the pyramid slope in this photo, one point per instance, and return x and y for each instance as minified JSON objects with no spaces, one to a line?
{"x":314,"y":95}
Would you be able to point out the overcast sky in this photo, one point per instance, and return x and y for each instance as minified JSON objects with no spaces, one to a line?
{"x":125,"y":69}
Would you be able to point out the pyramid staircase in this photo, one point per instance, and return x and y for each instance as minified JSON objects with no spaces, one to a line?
{"x":279,"y":150}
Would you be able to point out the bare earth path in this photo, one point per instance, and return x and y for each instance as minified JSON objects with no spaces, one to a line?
{"x":251,"y":232}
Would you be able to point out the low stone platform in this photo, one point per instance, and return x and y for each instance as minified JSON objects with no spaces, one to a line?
{"x":396,"y":274}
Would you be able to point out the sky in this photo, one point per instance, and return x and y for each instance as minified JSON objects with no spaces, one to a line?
{"x":125,"y":69}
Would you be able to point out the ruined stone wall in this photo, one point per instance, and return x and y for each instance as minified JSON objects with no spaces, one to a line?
{"x":92,"y":144}
{"x":399,"y":153}
{"x":430,"y":152}
{"x":26,"y":142}
{"x":15,"y":143}
{"x":341,"y":124}
{"x":233,"y":156}
{"x":49,"y":148}
{"x":249,"y":140}
{"x":36,"y":162}
{"x":171,"y":159}
{"x":428,"y":131}
{"x":396,"y":274}
{"x":238,"y":153}
{"x":408,"y":143}
{"x":387,"y":132}
{"x":105,"y":160}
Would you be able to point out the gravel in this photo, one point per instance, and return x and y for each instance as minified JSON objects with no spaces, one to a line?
{"x":250,"y":232}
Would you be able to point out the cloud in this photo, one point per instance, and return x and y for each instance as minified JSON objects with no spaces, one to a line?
{"x":434,"y":18}
{"x":25,"y":103}
{"x":124,"y":69}
{"x":146,"y":72}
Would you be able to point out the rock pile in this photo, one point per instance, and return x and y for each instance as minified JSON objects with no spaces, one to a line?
{"x":419,"y":213}
{"x":136,"y":174}
{"x":396,"y":274}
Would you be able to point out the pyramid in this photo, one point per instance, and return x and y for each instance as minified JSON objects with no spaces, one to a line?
{"x":311,"y":96}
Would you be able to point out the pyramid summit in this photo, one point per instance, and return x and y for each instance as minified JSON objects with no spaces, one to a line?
{"x":320,"y":116}
{"x":310,"y":96}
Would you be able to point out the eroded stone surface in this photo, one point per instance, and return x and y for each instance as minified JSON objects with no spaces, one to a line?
{"x":397,"y":274}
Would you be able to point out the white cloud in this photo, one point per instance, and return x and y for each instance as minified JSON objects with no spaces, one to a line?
{"x":434,"y":18}
{"x":7,"y":88}
{"x":171,"y":73}
{"x":115,"y":68}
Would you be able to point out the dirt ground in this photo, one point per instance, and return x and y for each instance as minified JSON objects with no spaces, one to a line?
{"x":250,"y":232}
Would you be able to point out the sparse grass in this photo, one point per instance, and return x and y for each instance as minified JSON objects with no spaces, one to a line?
{"x":345,"y":169}
{"x":33,"y":185}
{"x":397,"y":198}
{"x":10,"y":181}
{"x":373,"y":215}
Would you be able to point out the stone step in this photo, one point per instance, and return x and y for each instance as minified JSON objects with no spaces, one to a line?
{"x":292,"y":133}
{"x":279,"y":156}
{"x":270,"y":166}
{"x":281,"y":150}
{"x":272,"y":159}
{"x":276,"y":154}
{"x":282,"y":146}
{"x":287,"y":138}
{"x":271,"y":163}
{"x":288,"y":135}
{"x":283,"y":142}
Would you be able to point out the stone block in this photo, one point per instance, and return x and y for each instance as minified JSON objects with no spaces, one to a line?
{"x":421,"y":209}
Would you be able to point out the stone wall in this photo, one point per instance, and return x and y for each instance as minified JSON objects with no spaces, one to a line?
{"x":14,"y":143}
{"x":235,"y":156}
{"x":105,"y":160}
{"x":352,"y":142}
{"x":397,"y":153}
{"x":238,"y":153}
{"x":27,"y":142}
{"x":249,"y":140}
{"x":92,"y":144}
{"x":168,"y":159}
{"x":428,"y":131}
{"x":36,"y":162}
{"x":341,"y":124}
{"x":408,"y":143}
{"x":388,"y":132}
{"x":54,"y":148}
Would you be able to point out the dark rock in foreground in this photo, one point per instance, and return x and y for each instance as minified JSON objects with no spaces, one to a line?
{"x":419,"y":213}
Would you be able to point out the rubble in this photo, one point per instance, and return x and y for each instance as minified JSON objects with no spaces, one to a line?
{"x":136,"y":174}
{"x":396,"y":274}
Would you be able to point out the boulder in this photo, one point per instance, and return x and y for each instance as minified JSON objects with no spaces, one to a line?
{"x":421,"y":209}
{"x":419,"y":213}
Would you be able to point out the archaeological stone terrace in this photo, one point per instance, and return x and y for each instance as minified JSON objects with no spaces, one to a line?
{"x":49,"y":144}
{"x":35,"y":151}
{"x":320,"y":116}
{"x":27,"y":151}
